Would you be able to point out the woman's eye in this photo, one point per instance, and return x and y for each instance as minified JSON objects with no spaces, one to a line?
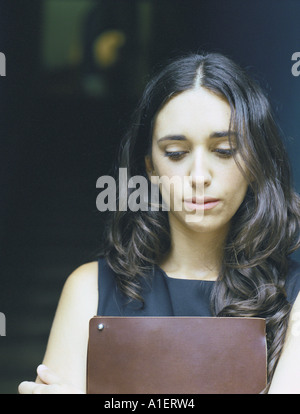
{"x":175,"y":155}
{"x":225,"y":153}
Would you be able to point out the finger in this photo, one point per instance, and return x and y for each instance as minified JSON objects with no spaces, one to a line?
{"x":28,"y":387}
{"x":47,"y":375}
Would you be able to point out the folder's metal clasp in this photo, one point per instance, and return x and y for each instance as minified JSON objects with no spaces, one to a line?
{"x":100,"y":326}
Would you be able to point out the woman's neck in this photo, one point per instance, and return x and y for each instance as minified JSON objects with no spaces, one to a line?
{"x":194,"y":255}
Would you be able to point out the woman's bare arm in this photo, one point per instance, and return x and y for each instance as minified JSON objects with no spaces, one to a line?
{"x":286,"y":378}
{"x":67,"y":346}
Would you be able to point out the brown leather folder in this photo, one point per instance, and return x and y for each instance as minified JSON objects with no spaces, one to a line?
{"x":176,"y":355}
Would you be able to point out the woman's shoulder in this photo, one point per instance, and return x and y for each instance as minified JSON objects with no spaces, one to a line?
{"x":82,"y":283}
{"x":85,"y":273}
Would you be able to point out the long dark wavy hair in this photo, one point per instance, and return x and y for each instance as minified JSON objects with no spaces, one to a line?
{"x":265,"y":229}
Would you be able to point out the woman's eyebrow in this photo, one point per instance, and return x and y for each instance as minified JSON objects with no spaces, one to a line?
{"x":222,"y":134}
{"x":215,"y":134}
{"x":172,"y":138}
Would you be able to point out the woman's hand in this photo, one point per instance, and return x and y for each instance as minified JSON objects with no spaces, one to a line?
{"x":47,"y":383}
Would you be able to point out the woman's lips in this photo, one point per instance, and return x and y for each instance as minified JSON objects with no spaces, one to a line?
{"x":205,"y":203}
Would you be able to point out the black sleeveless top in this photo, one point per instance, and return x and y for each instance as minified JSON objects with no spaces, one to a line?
{"x":167,"y":296}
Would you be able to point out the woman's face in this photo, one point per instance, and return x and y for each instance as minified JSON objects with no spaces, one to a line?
{"x":190,"y":141}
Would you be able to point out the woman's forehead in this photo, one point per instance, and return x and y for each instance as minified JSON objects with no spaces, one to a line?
{"x":193,"y":112}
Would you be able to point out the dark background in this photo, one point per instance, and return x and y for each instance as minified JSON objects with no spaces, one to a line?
{"x":62,"y":116}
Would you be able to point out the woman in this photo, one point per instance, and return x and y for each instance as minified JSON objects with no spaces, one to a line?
{"x":223,"y":252}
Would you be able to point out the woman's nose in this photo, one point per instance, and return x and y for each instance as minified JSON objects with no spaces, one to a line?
{"x":200,"y":172}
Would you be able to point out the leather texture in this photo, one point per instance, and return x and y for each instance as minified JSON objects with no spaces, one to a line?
{"x":176,"y":355}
